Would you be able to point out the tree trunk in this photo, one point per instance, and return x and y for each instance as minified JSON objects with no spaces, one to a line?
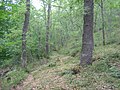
{"x":103,"y":22}
{"x":44,"y":7}
{"x":48,"y":27}
{"x":39,"y":43}
{"x":87,"y":39}
{"x":24,"y":31}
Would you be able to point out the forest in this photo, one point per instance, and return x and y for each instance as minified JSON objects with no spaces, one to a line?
{"x":59,"y":44}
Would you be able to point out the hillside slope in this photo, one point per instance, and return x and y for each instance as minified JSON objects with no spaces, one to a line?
{"x":63,"y":73}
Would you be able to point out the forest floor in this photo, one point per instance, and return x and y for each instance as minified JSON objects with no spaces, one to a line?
{"x":62,"y":72}
{"x":47,"y":78}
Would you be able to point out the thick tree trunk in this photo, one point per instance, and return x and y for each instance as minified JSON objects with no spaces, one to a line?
{"x":24,"y":31}
{"x":87,"y":39}
{"x":103,"y":22}
{"x":48,"y":27}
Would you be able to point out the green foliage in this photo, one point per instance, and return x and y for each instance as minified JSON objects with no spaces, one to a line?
{"x":114,"y":55}
{"x":10,"y":33}
{"x":65,"y":37}
{"x":100,"y":66}
{"x":13,"y":78}
{"x":66,"y":28}
{"x":114,"y":72}
{"x":105,"y":61}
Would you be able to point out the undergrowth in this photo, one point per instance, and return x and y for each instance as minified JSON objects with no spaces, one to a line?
{"x":12,"y":78}
{"x":103,"y":74}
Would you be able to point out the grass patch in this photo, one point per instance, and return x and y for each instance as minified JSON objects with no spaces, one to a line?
{"x":100,"y":66}
{"x":13,"y":78}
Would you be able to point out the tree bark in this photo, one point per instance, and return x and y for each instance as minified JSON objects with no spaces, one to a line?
{"x":24,"y":31}
{"x":44,"y":7}
{"x":48,"y":27}
{"x":103,"y":22}
{"x":87,"y":38}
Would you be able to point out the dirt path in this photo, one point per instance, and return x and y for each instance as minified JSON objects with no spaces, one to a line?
{"x":49,"y":77}
{"x":46,"y":78}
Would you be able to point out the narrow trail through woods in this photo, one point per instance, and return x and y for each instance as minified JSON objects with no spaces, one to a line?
{"x":47,"y":78}
{"x":58,"y":74}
